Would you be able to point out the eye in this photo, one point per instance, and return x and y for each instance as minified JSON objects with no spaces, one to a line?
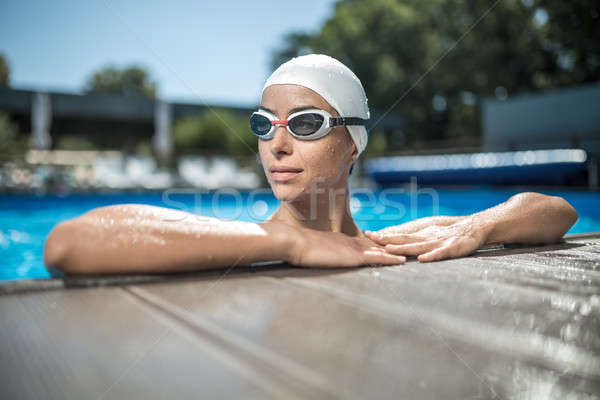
{"x":259,"y":124}
{"x":306,"y":124}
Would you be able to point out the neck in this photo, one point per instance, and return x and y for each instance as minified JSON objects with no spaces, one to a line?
{"x":328,"y":210}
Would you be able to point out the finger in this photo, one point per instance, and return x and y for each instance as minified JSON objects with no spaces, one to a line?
{"x":440,"y":253}
{"x":375,"y":247}
{"x":403,"y":228}
{"x":413,"y":249}
{"x":367,"y":243}
{"x":410,"y":226}
{"x":397,"y":238}
{"x":383,"y":258}
{"x":452,"y":250}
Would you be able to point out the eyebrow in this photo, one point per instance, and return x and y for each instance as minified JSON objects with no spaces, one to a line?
{"x":293,"y":110}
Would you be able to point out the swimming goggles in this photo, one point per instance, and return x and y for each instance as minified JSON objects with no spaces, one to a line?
{"x":306,"y":124}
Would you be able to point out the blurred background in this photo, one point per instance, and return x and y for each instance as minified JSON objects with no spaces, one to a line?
{"x":151,"y":95}
{"x":480,"y":97}
{"x":133,"y":94}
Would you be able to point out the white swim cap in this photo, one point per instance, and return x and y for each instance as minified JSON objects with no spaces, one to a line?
{"x":333,"y":81}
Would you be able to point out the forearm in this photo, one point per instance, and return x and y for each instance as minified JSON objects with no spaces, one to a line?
{"x":527,"y":218}
{"x":146,"y":239}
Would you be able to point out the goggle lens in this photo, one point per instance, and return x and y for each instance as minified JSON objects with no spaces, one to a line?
{"x":306,"y":124}
{"x":301,"y":125}
{"x":260,"y":124}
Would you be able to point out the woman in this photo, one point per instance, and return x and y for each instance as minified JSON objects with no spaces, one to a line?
{"x":307,"y":158}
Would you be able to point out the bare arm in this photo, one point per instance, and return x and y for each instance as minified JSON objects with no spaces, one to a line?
{"x":524,"y":218}
{"x":140,"y":238}
{"x":528,"y":218}
{"x":137,"y":238}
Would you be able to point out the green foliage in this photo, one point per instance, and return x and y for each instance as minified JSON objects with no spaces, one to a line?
{"x":409,"y":49}
{"x":572,"y":33}
{"x":11,"y":145}
{"x":8,"y":133}
{"x":4,"y":71}
{"x":378,"y":143}
{"x":127,"y":81}
{"x":144,"y":147}
{"x":215,"y":130}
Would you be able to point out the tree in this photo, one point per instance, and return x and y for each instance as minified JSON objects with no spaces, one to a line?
{"x":128,"y":81}
{"x":215,"y":130}
{"x":441,"y":56}
{"x":4,"y":71}
{"x":8,"y":133}
{"x":572,"y":32}
{"x":12,"y":146}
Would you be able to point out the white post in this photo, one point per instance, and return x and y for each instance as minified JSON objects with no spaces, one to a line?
{"x":162,"y":141}
{"x":41,"y":118}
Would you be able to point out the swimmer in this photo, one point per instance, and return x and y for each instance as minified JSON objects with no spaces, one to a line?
{"x":311,"y":129}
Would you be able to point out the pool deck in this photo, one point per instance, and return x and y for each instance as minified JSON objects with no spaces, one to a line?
{"x":506,"y":323}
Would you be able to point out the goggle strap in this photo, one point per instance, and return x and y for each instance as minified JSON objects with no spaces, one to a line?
{"x":346,"y":121}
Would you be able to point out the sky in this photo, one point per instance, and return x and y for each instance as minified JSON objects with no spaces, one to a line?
{"x":216,"y":52}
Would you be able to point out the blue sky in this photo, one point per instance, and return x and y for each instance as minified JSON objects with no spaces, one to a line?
{"x":212,"y":51}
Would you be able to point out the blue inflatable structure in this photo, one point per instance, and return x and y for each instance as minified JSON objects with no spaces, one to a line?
{"x":533,"y":167}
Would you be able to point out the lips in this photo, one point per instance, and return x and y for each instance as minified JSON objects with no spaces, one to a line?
{"x":283,"y":173}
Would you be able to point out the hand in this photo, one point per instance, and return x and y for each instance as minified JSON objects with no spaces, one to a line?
{"x":433,"y":238}
{"x":332,"y":249}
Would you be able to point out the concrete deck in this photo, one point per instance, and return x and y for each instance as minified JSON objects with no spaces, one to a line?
{"x":515,"y":323}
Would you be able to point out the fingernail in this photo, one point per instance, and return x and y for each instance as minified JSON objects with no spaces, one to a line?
{"x":368,"y":232}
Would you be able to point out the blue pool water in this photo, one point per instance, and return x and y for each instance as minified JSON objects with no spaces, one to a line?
{"x":26,"y":220}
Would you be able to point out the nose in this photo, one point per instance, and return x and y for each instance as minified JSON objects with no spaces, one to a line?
{"x":281,"y":144}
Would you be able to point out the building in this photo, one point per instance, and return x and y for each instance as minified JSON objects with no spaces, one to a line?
{"x":565,"y":118}
{"x":111,"y":121}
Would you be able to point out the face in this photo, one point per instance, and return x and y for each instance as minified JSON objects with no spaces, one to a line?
{"x":294,"y":166}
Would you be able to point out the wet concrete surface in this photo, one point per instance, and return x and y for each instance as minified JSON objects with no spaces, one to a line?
{"x":512,"y":323}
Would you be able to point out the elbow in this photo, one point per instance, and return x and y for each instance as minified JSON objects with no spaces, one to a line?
{"x":568,"y":213}
{"x":57,"y":248}
{"x":560,"y":212}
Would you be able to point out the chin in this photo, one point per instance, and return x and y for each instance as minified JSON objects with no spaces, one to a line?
{"x":286,"y":191}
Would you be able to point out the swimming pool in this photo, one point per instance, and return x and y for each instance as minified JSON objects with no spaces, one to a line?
{"x":26,"y":220}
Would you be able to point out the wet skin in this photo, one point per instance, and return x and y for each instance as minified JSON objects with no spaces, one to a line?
{"x":313,"y":226}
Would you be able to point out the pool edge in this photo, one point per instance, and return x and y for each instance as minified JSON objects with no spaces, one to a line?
{"x":45,"y":284}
